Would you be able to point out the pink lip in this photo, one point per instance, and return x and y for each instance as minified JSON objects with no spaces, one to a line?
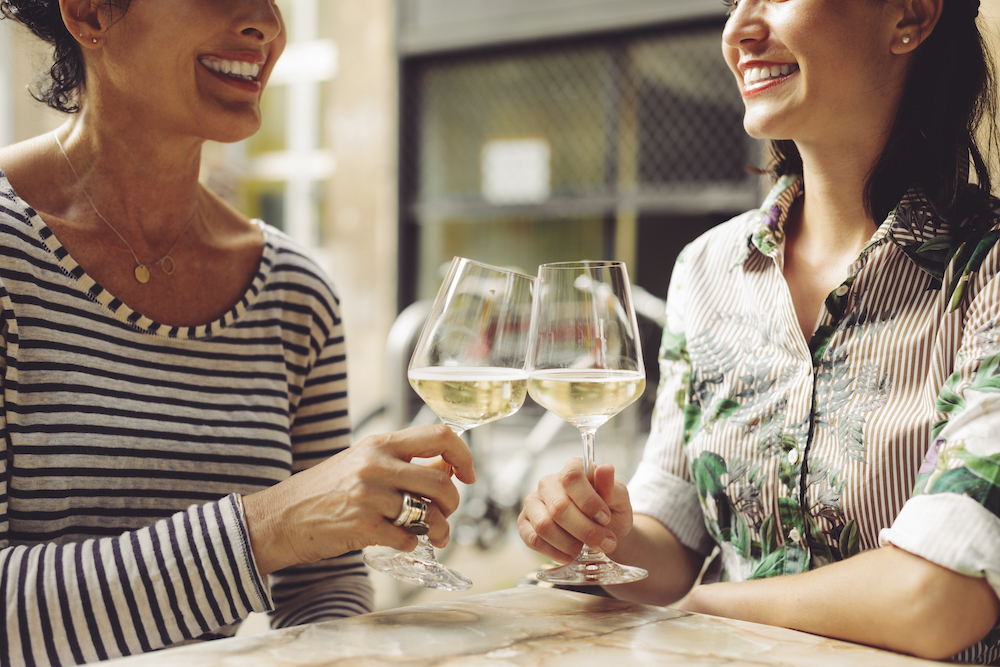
{"x":760,"y":88}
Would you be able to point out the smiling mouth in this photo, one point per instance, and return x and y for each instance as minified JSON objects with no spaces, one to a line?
{"x":235,"y":69}
{"x":758,"y":74}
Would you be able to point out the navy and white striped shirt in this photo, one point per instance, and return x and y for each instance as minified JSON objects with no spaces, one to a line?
{"x":128,"y":444}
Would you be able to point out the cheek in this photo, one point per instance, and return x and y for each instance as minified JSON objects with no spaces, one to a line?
{"x":732,"y":58}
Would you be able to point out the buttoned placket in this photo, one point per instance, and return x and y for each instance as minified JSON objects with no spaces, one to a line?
{"x":834,"y":311}
{"x":833,"y":314}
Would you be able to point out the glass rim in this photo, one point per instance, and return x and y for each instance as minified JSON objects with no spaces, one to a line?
{"x":583,"y":264}
{"x":492,"y":267}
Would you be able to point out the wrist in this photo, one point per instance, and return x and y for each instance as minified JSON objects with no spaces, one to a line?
{"x":264,"y":529}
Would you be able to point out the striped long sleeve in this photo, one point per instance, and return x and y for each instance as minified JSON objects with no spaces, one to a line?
{"x":181,"y":578}
{"x":128,"y":445}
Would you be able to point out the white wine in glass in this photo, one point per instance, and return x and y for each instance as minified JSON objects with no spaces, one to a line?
{"x":469,"y":367}
{"x":586,"y":367}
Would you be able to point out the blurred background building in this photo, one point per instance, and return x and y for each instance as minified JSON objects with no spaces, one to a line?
{"x":399,"y":133}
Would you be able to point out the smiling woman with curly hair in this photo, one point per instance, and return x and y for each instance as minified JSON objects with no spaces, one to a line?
{"x":174,"y":395}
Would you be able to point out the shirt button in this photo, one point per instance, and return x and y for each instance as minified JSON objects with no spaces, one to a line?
{"x":842,"y":290}
{"x":793,"y":456}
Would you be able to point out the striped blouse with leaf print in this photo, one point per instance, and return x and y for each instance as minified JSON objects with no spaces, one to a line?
{"x":883,"y":429}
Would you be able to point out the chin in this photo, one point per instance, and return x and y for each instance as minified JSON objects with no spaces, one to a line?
{"x":763,"y":127}
{"x":230,"y":133}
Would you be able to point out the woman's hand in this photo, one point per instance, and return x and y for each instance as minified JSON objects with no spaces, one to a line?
{"x":567,"y":511}
{"x":349,"y":501}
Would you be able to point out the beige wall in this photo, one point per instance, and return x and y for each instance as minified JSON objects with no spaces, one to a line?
{"x":990,"y":23}
{"x":360,"y":224}
{"x":29,"y":57}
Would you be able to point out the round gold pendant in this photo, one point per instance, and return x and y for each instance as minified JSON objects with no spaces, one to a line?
{"x":142,"y":274}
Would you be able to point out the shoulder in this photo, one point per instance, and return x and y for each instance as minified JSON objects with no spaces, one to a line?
{"x":28,"y":167}
{"x":973,"y":259}
{"x":725,"y":244}
{"x":15,"y":216}
{"x":297,"y":273}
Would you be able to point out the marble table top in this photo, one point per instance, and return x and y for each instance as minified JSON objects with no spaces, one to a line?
{"x":528,"y":626}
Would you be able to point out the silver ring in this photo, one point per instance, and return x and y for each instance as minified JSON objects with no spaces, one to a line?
{"x":413,"y":515}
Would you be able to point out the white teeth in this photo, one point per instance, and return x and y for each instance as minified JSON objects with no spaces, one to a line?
{"x":237,"y":69}
{"x":755,"y":74}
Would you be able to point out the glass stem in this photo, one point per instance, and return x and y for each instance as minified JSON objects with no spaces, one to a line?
{"x":589,"y":440}
{"x":424,"y":550}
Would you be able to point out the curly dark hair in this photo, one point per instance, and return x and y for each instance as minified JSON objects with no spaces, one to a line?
{"x":60,"y":86}
{"x":949,"y":101}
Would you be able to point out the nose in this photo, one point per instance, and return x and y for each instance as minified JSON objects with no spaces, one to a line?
{"x":745,"y":25}
{"x":260,"y":19}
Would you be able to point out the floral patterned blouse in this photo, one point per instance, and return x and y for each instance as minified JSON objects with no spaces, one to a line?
{"x":883,"y":429}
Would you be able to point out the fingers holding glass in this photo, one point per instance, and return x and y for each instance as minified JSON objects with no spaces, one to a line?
{"x":566,"y":513}
{"x":469,"y":368}
{"x":585,"y":366}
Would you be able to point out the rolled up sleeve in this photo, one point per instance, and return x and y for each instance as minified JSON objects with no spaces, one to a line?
{"x":662,"y":486}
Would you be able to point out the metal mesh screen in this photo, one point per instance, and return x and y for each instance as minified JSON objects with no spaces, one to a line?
{"x":641,"y":122}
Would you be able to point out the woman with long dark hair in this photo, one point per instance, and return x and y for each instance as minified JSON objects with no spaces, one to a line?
{"x":828,"y":419}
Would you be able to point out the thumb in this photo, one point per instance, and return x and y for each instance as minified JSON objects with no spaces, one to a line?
{"x":439,"y":463}
{"x":604,"y":482}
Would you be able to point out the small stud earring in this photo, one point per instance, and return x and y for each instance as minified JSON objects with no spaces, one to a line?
{"x":906,"y":39}
{"x":95,"y":40}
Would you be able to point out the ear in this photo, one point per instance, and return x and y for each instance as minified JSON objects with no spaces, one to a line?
{"x":84,"y":19}
{"x":919,"y":19}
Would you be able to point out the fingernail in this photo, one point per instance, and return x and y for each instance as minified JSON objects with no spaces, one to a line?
{"x":608,"y":544}
{"x":602,"y":518}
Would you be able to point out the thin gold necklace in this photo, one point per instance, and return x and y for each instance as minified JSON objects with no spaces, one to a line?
{"x":141,"y":272}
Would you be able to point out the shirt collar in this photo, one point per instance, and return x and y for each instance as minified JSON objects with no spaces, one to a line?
{"x":921,"y":233}
{"x":768,"y":222}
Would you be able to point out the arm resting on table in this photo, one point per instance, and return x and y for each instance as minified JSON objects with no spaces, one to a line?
{"x":649,"y":545}
{"x":884,"y":597}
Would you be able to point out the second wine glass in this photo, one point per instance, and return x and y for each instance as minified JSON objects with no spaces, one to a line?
{"x":586,"y":366}
{"x":469,"y":367}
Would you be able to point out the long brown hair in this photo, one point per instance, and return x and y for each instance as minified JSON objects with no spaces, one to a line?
{"x":949,"y":96}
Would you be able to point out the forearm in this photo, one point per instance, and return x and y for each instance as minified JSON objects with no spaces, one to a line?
{"x":884,"y":597}
{"x":672,"y":567}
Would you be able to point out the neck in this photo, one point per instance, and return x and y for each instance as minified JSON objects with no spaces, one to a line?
{"x":146,"y":188}
{"x":834,"y":213}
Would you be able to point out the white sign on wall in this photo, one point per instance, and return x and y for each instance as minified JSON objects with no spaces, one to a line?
{"x":515,"y":171}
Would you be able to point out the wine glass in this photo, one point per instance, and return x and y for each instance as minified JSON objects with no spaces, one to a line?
{"x":469,"y":367}
{"x":586,"y":366}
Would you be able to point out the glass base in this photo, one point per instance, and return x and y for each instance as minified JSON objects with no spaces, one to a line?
{"x":592,"y":568}
{"x":415,"y":568}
